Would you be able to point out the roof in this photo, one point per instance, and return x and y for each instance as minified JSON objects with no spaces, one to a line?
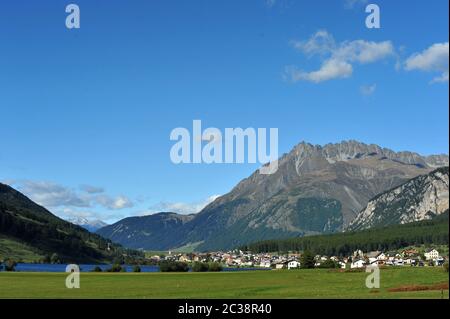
{"x":374,"y":254}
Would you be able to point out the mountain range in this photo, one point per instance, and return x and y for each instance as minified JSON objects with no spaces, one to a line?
{"x":316,"y":189}
{"x":91,"y":225}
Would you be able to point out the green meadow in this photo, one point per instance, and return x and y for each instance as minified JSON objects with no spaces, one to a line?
{"x":428,"y":282}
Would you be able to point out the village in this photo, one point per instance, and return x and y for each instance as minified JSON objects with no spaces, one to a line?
{"x":359,"y":259}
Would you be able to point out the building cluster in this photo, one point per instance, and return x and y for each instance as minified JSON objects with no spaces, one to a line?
{"x":407,"y":257}
{"x":359,"y":259}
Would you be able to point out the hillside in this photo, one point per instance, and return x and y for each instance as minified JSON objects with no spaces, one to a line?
{"x":158,"y":231}
{"x":421,"y":198}
{"x":316,"y":190}
{"x":429,"y":232}
{"x":29,"y":231}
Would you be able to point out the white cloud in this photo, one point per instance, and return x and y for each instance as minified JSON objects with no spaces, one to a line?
{"x":441,"y":79}
{"x":320,"y":42}
{"x":114,"y":203}
{"x":368,"y":89}
{"x":363,"y":51}
{"x":180,"y":207}
{"x":49,"y":194}
{"x":52,"y":195}
{"x":330,"y":69}
{"x":433,"y":59}
{"x":340,"y":57}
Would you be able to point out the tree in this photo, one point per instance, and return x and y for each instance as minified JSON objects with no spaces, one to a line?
{"x":307,"y":260}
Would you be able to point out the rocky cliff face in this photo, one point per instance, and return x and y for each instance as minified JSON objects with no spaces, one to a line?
{"x":421,"y":198}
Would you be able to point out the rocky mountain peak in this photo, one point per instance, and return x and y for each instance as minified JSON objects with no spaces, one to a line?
{"x":352,"y":149}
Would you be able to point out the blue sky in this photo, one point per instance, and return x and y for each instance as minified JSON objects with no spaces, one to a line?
{"x":86,"y":113}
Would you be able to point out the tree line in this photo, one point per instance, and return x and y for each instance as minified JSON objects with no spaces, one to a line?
{"x":343,"y":244}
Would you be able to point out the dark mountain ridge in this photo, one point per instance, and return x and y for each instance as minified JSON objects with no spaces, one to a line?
{"x":25,"y":222}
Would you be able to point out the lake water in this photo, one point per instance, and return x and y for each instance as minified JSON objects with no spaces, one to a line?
{"x":89,"y":267}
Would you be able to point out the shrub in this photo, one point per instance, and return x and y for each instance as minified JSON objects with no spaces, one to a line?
{"x":329,"y":264}
{"x":199,"y":267}
{"x":173,"y":266}
{"x":446,"y":267}
{"x":97,"y":269}
{"x":215,"y":266}
{"x":10,"y":265}
{"x":119,"y":260}
{"x":136,"y":269}
{"x":45,"y":259}
{"x":116,"y":268}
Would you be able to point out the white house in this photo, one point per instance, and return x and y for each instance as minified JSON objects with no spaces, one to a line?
{"x":398,"y":262}
{"x":382,"y":257}
{"x":431,"y":254}
{"x":375,"y":256}
{"x":293,"y":264}
{"x":358,"y":264}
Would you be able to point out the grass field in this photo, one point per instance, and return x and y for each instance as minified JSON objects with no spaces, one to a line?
{"x":315,"y":283}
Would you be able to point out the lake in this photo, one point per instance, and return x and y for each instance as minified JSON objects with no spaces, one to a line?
{"x":25,"y":267}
